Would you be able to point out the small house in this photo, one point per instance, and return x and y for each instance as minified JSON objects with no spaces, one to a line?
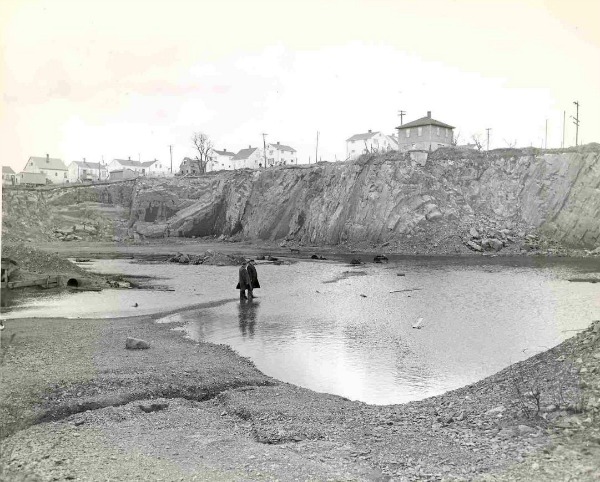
{"x":53,"y":169}
{"x":425,"y":133}
{"x":8,"y":176}
{"x":370,"y":141}
{"x":279,"y":155}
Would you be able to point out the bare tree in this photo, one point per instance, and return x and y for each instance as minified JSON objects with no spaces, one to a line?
{"x":455,"y":139}
{"x":478,"y":142}
{"x":510,"y":143}
{"x":204,"y":146}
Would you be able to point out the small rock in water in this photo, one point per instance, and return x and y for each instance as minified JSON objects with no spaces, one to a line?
{"x":363,"y":296}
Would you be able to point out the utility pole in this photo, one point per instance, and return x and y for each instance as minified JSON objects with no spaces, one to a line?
{"x":317,"y":149}
{"x":488,"y":129}
{"x":576,"y":122}
{"x":562,"y":143}
{"x":171,"y":154}
{"x":546,"y":136}
{"x":401,"y":114}
{"x":265,"y":148}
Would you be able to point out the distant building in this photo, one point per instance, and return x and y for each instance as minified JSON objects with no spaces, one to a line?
{"x":221,"y":160}
{"x":122,"y":174}
{"x":156,"y":168}
{"x":280,"y":155}
{"x":370,"y":141}
{"x":82,"y":171}
{"x":120,"y":164}
{"x":251,"y":158}
{"x":53,"y":169}
{"x":32,"y":179}
{"x":424,"y":134}
{"x":8,"y":176}
{"x":189,"y":166}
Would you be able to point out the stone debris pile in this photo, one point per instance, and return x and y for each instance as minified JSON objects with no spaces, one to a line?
{"x":208,"y":258}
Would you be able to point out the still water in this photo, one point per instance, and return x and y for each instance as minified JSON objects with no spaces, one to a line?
{"x":348,"y":330}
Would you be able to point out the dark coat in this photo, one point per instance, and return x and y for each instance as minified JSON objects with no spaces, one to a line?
{"x":244,"y":279}
{"x":253,"y":276}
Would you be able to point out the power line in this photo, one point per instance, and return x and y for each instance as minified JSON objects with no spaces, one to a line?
{"x":401,"y":114}
{"x":265,"y":148}
{"x":576,"y":122}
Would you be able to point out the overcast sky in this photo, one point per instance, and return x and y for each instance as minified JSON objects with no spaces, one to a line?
{"x":117,"y":79}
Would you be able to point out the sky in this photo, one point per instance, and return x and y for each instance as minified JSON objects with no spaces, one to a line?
{"x":117,"y":79}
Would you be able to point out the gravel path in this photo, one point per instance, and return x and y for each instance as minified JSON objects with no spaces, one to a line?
{"x":77,"y":405}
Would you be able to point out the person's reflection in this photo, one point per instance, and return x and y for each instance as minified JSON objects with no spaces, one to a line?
{"x":247,"y":317}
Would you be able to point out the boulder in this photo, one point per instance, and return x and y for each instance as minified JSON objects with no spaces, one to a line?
{"x":474,"y":246}
{"x":495,"y":244}
{"x":473,"y":232}
{"x":434,"y":215}
{"x":136,"y":344}
{"x":184,"y":259}
{"x":380,"y":258}
{"x":153,"y":407}
{"x":355,"y":261}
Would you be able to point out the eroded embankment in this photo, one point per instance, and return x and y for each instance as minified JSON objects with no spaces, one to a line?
{"x":179,"y":409}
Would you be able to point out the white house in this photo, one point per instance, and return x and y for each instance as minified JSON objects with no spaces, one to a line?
{"x":156,"y":168}
{"x":9,"y":178}
{"x":369,"y":142}
{"x":279,"y":155}
{"x":220,"y":160}
{"x":120,"y":164}
{"x":80,"y":171}
{"x":54,"y":169}
{"x":251,"y":158}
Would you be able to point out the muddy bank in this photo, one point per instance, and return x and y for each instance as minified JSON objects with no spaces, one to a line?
{"x":76,"y":404}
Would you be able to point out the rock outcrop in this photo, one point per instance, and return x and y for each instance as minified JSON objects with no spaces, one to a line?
{"x":478,"y":201}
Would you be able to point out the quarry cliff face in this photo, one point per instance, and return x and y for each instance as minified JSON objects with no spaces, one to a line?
{"x":384,"y":198}
{"x":407,"y":200}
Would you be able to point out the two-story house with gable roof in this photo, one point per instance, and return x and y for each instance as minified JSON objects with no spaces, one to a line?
{"x":280,"y":155}
{"x":251,"y":158}
{"x":81,"y":171}
{"x":53,"y":168}
{"x":220,"y":160}
{"x":424,"y":134}
{"x":370,"y":141}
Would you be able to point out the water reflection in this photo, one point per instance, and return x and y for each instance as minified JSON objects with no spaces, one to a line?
{"x":247,"y":315}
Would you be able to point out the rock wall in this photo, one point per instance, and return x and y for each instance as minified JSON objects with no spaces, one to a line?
{"x":452,"y":195}
{"x":386,"y":198}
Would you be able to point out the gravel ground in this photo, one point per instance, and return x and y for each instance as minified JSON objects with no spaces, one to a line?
{"x":77,"y":405}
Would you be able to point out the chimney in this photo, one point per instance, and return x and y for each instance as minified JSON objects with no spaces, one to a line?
{"x":277,"y":142}
{"x":48,"y":158}
{"x":249,"y":147}
{"x":429,"y":114}
{"x":129,"y":158}
{"x":369,"y":131}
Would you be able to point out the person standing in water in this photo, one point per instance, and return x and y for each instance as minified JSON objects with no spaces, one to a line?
{"x":244,"y":282}
{"x":253,"y":278}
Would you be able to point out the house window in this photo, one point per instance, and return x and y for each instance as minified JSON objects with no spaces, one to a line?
{"x":56,"y":174}
{"x":419,"y":131}
{"x":407,"y":132}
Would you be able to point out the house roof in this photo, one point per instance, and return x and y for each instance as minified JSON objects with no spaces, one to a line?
{"x":149,"y":163}
{"x":89,"y":165}
{"x":7,"y":170}
{"x":128,"y":162}
{"x":224,"y":152}
{"x":282,"y":147}
{"x":244,"y":154}
{"x":48,"y":163}
{"x":362,"y":137}
{"x":32,"y":177}
{"x":424,"y":121}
